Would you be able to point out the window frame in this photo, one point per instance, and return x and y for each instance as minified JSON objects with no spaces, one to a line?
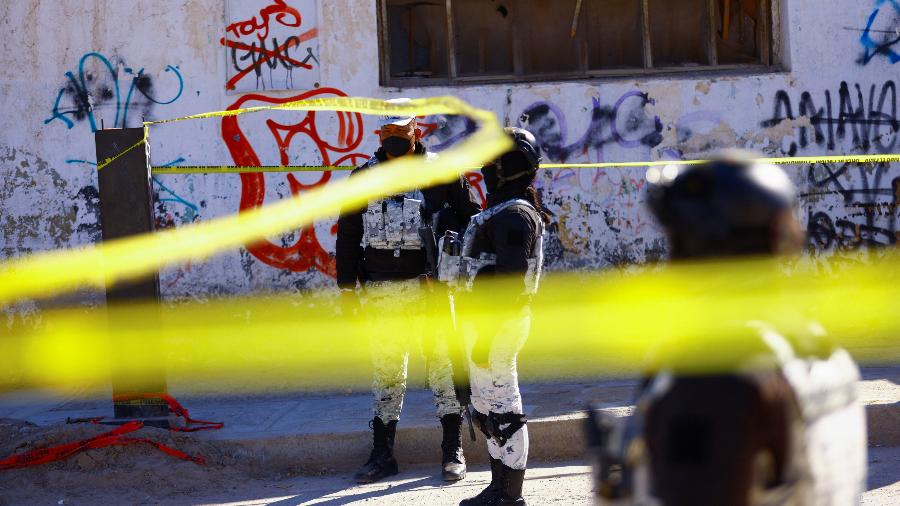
{"x":766,"y":41}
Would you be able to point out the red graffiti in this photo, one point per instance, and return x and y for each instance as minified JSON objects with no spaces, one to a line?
{"x":475,"y":179}
{"x":280,"y":53}
{"x":284,"y":14}
{"x":277,"y":54}
{"x":307,"y":252}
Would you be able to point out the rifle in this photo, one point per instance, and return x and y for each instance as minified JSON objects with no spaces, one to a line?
{"x":456,"y":349}
{"x":426,"y":233}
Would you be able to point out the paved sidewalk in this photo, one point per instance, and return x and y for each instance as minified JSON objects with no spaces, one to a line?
{"x":329,"y":432}
{"x":566,"y":483}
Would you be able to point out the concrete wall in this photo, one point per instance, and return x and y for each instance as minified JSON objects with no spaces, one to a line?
{"x":164,"y":59}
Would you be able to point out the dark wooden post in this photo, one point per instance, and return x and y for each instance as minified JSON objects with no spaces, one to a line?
{"x":126,"y":209}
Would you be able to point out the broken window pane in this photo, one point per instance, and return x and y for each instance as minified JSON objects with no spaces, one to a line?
{"x":737,"y":25}
{"x":545,"y":33}
{"x":483,"y":31}
{"x":679,"y":32}
{"x":417,"y":36}
{"x":614,"y":33}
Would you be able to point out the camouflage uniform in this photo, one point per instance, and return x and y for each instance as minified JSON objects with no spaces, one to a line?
{"x":495,"y":389}
{"x":390,"y":356}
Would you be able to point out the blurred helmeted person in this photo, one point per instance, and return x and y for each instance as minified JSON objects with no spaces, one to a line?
{"x":760,"y":416}
{"x":505,"y":240}
{"x":382,"y":251}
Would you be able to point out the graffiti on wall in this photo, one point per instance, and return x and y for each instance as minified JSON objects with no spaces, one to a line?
{"x":881,"y":37}
{"x":110,"y":85}
{"x":625,"y":123}
{"x":866,"y":117}
{"x":271,"y":45}
{"x":306,"y":252}
{"x":596,"y":212}
{"x":869,"y":196}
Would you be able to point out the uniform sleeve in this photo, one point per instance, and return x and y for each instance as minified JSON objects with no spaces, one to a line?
{"x":348,"y":249}
{"x":513,"y":238}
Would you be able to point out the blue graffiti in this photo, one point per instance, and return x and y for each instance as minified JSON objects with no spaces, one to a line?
{"x":191,"y":208}
{"x":83,"y":162}
{"x":890,"y":37}
{"x":87,"y":92}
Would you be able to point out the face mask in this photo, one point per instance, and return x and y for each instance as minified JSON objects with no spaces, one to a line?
{"x":396,"y":146}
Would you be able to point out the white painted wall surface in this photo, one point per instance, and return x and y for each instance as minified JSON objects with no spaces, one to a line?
{"x":48,"y":193}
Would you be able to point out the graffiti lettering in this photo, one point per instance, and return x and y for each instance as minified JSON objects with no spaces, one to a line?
{"x":625,"y":123}
{"x":307,"y":252}
{"x":284,"y":14}
{"x":266,"y":42}
{"x":826,"y":233}
{"x":260,"y":55}
{"x":871,"y":123}
{"x":882,"y":33}
{"x":90,"y":90}
{"x":871,"y":207}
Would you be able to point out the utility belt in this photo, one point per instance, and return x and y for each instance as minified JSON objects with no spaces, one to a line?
{"x":458,"y":267}
{"x":388,"y":265}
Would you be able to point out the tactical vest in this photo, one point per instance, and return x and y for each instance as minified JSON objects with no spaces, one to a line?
{"x":653,"y":457}
{"x":458,"y":267}
{"x":394,"y":222}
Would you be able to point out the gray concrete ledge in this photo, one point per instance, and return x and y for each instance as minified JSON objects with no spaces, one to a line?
{"x":328,"y":433}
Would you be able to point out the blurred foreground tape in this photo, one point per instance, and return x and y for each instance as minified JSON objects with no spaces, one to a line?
{"x":57,"y":272}
{"x":691,"y":317}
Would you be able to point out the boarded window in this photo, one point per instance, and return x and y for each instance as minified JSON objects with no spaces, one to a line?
{"x":448,"y":41}
{"x":483,"y":38}
{"x":614,"y":34}
{"x":738,"y":30}
{"x":679,"y":32}
{"x":548,"y":46}
{"x":418,"y":38}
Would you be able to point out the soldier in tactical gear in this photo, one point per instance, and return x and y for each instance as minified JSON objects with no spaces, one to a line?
{"x":504,"y":240}
{"x":785,"y":426}
{"x":384,"y":248}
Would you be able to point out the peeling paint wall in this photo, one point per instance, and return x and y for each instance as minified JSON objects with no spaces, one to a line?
{"x":116,"y":63}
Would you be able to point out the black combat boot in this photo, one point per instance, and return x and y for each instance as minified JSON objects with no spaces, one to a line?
{"x":511,"y":492}
{"x":381,"y":463}
{"x":453,"y":461}
{"x":492,"y":493}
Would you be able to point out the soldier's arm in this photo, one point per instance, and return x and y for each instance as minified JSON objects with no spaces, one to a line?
{"x":348,"y":248}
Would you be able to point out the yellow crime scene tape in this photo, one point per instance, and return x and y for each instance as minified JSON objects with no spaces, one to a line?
{"x":51,"y":273}
{"x":230,"y":169}
{"x":690,"y":316}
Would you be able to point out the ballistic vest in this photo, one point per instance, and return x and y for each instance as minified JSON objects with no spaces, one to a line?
{"x":458,"y":266}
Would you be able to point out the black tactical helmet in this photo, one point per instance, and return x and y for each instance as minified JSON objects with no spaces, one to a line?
{"x":521,"y":161}
{"x":723,"y":207}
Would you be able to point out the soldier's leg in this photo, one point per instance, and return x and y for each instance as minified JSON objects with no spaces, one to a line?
{"x":389,"y":353}
{"x":496,"y":396}
{"x":440,"y":378}
{"x":389,"y":382}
